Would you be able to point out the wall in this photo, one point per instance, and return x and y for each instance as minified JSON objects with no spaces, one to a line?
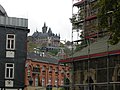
{"x":62,"y":72}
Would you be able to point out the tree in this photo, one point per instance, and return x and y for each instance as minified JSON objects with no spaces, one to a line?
{"x":109,"y":18}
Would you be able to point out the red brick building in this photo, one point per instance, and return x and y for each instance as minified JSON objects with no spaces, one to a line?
{"x":41,"y":71}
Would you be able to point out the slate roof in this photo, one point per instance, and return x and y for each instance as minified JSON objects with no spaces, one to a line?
{"x":44,"y":35}
{"x":40,"y":35}
{"x":98,"y":47}
{"x":36,"y":57}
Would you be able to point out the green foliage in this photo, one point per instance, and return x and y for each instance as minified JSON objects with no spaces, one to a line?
{"x":31,"y":45}
{"x":67,"y":51}
{"x":81,"y":46}
{"x":53,"y":52}
{"x":75,"y":22}
{"x":61,"y":89}
{"x":109,"y":18}
{"x":61,"y":44}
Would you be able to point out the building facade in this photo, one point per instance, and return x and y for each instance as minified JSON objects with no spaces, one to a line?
{"x":13,"y":34}
{"x":97,"y":65}
{"x":43,"y":71}
{"x":46,"y":38}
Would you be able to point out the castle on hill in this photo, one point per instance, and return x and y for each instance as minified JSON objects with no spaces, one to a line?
{"x":46,"y":38}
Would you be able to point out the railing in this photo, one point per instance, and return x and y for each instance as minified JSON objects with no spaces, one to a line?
{"x":13,"y":21}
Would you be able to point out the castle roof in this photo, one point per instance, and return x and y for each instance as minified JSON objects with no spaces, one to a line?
{"x":44,"y":35}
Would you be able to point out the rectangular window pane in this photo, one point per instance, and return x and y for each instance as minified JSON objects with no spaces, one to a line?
{"x":11,"y":72}
{"x":8,"y":44}
{"x":10,"y":41}
{"x":9,"y":65}
{"x":12,"y":44}
{"x":10,"y":36}
{"x":7,"y":72}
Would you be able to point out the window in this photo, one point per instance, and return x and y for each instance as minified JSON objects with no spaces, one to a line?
{"x":56,"y":70}
{"x":56,"y":82}
{"x":62,"y":71}
{"x":9,"y":70}
{"x":118,"y":75}
{"x":43,"y":68}
{"x":50,"y":69}
{"x":28,"y":73}
{"x":10,"y":41}
{"x":89,"y":87}
{"x":36,"y":81}
{"x":43,"y":81}
{"x":62,"y":82}
{"x":49,"y":81}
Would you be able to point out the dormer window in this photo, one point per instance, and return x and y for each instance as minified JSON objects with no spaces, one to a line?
{"x":42,"y":54}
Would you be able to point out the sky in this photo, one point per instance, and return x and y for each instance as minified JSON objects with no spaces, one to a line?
{"x":55,"y":13}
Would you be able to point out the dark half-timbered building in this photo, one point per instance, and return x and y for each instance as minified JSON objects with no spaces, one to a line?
{"x":13,"y":51}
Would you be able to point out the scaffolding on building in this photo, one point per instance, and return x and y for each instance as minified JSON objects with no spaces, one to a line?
{"x":98,"y":67}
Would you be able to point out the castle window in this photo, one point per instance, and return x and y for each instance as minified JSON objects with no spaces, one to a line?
{"x":9,"y":70}
{"x":10,"y":42}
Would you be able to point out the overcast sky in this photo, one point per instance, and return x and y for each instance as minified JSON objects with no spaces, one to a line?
{"x":55,"y":13}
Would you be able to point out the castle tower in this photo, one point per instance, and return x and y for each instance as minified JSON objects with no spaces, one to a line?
{"x":44,"y":28}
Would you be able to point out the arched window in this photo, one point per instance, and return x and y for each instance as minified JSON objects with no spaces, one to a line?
{"x":56,"y":82}
{"x":89,"y":87}
{"x":56,"y":70}
{"x":50,"y":69}
{"x":50,"y":81}
{"x":43,"y":68}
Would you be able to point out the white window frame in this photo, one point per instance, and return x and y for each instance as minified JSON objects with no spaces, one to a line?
{"x":50,"y":81}
{"x":28,"y":72}
{"x":43,"y":81}
{"x":56,"y":82}
{"x":36,"y":81}
{"x":56,"y":69}
{"x":10,"y":41}
{"x":43,"y":68}
{"x":50,"y":68}
{"x":9,"y":72}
